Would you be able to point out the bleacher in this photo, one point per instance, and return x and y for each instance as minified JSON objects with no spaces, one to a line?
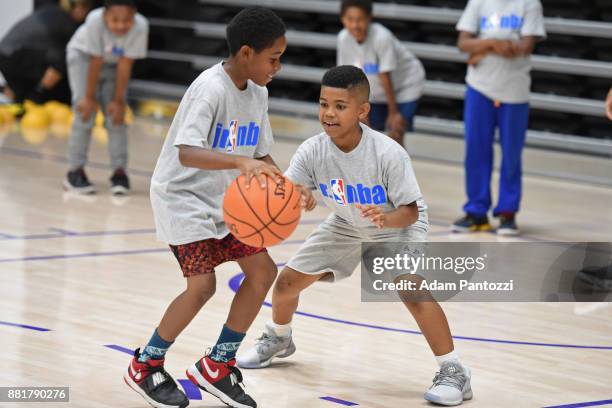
{"x":571,"y":76}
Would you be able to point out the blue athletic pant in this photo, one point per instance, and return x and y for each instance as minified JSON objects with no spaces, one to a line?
{"x":379,"y":112}
{"x":481,"y":116}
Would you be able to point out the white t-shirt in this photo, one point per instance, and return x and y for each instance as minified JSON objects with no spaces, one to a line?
{"x":213,"y":114}
{"x":504,"y":79}
{"x":377,"y":171}
{"x":93,"y":38}
{"x":382,"y":52}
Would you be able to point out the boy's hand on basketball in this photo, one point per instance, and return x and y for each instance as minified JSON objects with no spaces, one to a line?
{"x":86,"y":107}
{"x":307,"y":200}
{"x":116,"y":111}
{"x":259,"y":169}
{"x":375,"y":213}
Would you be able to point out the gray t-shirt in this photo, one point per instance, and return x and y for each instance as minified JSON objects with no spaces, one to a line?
{"x":213,"y":114}
{"x":94,"y":38}
{"x":377,"y":171}
{"x":382,"y":52}
{"x":504,"y":79}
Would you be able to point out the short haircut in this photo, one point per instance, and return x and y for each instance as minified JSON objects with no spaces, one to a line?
{"x":256,"y":27}
{"x":365,"y":5}
{"x":70,"y":4}
{"x":110,"y":3}
{"x":347,"y":77}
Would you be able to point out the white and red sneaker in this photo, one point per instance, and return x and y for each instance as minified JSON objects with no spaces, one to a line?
{"x":223,"y":380}
{"x":154,"y":384}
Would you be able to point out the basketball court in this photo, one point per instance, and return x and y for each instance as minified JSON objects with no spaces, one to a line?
{"x":83,"y":282}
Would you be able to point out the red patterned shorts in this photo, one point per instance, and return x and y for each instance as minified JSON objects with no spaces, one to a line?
{"x":200,"y":257}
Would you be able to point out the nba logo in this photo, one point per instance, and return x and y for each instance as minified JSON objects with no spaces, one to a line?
{"x":233,"y":136}
{"x":337,"y":187}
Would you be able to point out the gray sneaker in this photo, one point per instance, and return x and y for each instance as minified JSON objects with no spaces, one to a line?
{"x":451,"y":385}
{"x":268,"y":346}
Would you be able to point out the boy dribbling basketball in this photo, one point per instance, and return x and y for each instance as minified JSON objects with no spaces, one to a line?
{"x":368,"y":182}
{"x":220,"y":130}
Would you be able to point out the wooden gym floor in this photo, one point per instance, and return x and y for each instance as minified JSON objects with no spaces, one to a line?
{"x":82,"y":281}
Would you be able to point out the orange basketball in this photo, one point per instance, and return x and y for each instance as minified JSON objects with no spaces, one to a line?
{"x":261,"y":217}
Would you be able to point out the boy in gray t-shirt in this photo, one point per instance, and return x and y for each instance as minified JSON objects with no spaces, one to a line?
{"x":369,"y":184}
{"x":500,"y":36}
{"x":220,"y":130}
{"x":100,"y":56}
{"x":396,"y":76}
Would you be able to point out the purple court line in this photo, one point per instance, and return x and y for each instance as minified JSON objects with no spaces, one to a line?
{"x":121,"y":349}
{"x":584,"y":404}
{"x":24,"y":326}
{"x":339,"y":401}
{"x":63,"y":232}
{"x":192,"y":392}
{"x":94,"y":254}
{"x":59,"y":233}
{"x":234,"y":284}
{"x":83,"y":255}
{"x":61,"y":159}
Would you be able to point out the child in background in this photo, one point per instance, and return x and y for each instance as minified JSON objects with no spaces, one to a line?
{"x":396,"y":76}
{"x":100,"y":56}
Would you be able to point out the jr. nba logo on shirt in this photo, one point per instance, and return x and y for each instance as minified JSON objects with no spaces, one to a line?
{"x":233,"y":136}
{"x":498,"y":21}
{"x":337,"y":187}
{"x":230,"y":138}
{"x":345,"y":194}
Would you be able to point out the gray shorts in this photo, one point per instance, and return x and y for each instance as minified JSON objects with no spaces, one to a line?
{"x":335,"y":246}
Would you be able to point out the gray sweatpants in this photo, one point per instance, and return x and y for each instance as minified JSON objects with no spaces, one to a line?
{"x":80,"y":137}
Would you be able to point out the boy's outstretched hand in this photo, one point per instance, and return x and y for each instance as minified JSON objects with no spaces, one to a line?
{"x":257,"y":168}
{"x":375,"y":213}
{"x":307,"y":200}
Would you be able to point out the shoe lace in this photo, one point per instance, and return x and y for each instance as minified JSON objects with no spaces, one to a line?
{"x":450,"y":375}
{"x":236,"y":377}
{"x":265,"y":342}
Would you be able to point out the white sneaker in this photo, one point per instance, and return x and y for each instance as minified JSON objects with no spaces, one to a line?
{"x":451,"y":385}
{"x":267,"y":347}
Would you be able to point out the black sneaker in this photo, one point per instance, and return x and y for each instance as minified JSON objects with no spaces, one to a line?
{"x":154,"y":384}
{"x":471,"y":223}
{"x":507,"y":225}
{"x":76,"y":181}
{"x":223,"y":380}
{"x":120,"y":184}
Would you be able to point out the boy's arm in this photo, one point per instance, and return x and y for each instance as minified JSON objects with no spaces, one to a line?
{"x":88,"y":104}
{"x":268,"y":159}
{"x":400,"y":217}
{"x":116,"y":108}
{"x":201,"y":158}
{"x":395,"y":122}
{"x":524,"y":46}
{"x":475,"y":46}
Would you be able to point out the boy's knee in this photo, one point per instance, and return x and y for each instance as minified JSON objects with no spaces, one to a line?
{"x":202,"y":291}
{"x":285,"y":284}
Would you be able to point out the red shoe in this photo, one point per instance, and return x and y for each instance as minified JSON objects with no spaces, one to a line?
{"x":154,"y":384}
{"x":223,"y":380}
